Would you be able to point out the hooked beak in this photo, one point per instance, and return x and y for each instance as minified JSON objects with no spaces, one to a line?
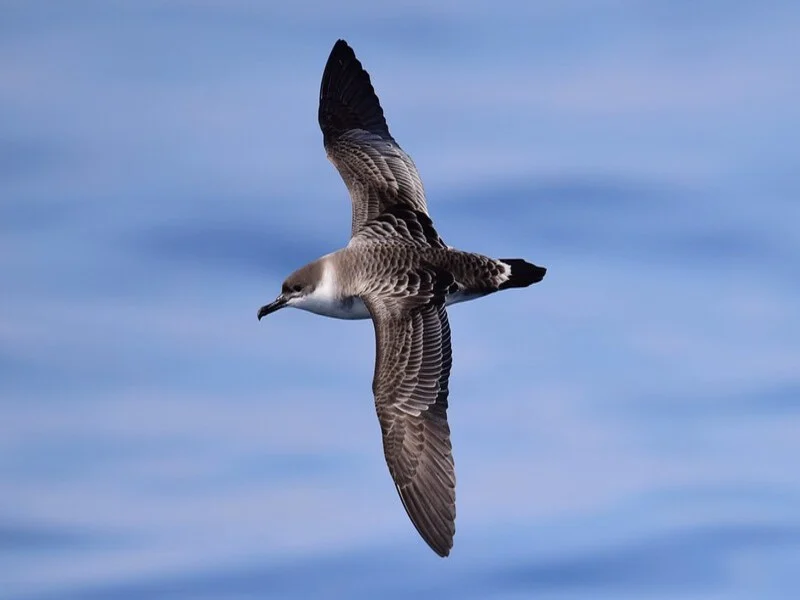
{"x":279,"y":303}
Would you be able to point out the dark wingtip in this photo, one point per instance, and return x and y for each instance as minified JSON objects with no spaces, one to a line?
{"x":340,"y":45}
{"x":438,"y":537}
{"x":340,"y":52}
{"x":347,"y":99}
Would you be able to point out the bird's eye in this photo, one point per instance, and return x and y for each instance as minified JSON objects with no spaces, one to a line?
{"x":297,"y":287}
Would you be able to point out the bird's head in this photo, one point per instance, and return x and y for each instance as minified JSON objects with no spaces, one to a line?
{"x":298,"y":287}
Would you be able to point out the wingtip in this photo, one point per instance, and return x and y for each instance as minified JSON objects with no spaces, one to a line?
{"x":442,"y":548}
{"x":347,"y":99}
{"x":440,"y":544}
{"x":443,"y":552}
{"x":342,"y":47}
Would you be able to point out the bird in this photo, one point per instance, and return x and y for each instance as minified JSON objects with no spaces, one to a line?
{"x":397,"y":271}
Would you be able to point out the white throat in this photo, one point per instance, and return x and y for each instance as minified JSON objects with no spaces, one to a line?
{"x":327,"y":300}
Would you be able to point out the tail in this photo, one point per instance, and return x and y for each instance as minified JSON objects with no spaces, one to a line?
{"x":523,"y":273}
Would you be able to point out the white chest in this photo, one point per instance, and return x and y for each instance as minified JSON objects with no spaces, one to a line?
{"x":326,"y":300}
{"x":354,"y":307}
{"x":349,"y":308}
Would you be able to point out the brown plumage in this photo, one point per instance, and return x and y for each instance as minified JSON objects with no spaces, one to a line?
{"x":397,"y":271}
{"x":357,"y":140}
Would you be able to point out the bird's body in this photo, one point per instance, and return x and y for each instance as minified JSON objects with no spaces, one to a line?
{"x":397,"y":271}
{"x":339,"y":296}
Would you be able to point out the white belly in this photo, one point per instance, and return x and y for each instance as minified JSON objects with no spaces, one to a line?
{"x":352,"y":308}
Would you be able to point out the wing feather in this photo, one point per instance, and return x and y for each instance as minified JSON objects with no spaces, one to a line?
{"x":375,"y":169}
{"x":412,"y":370}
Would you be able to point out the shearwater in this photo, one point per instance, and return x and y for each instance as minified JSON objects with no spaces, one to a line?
{"x":397,"y":271}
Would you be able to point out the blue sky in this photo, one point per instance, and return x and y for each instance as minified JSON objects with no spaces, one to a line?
{"x":626,"y":428}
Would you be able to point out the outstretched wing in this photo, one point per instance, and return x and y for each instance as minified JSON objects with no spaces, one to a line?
{"x":411,"y":387}
{"x":375,"y":169}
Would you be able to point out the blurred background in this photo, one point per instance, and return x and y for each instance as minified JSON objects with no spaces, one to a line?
{"x":628,"y":428}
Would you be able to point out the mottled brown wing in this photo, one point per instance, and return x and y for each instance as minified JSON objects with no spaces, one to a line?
{"x":399,"y":224}
{"x":375,"y":169}
{"x":410,"y":385}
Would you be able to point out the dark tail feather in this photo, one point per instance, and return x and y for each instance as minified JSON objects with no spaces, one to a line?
{"x":523,"y":273}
